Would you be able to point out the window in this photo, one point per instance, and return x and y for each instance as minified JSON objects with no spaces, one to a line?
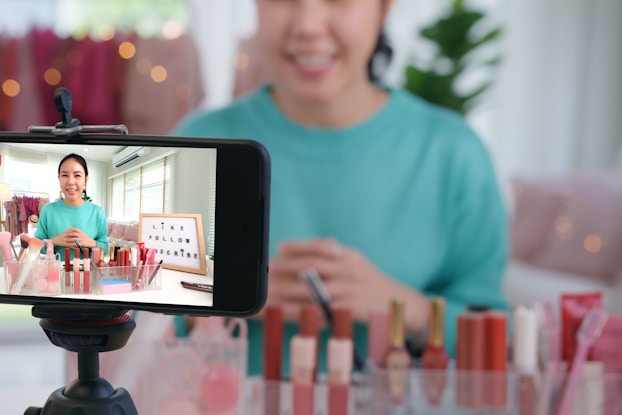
{"x":145,"y":189}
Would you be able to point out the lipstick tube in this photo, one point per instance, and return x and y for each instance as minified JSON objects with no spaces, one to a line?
{"x":525,"y":357}
{"x":76,"y":270}
{"x":435,"y":359}
{"x":303,"y":358}
{"x":272,"y":353}
{"x":378,"y":336}
{"x":339,"y":362}
{"x":86,"y":280}
{"x":495,"y":325}
{"x":67,"y":267}
{"x":397,"y":359}
{"x":470,"y":392}
{"x":112,"y":263}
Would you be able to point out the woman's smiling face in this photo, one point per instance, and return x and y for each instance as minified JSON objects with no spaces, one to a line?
{"x":316,"y":50}
{"x":72,"y":180}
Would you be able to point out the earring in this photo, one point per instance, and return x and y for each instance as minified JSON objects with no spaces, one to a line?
{"x":60,"y":194}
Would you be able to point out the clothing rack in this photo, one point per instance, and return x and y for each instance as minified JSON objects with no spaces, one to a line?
{"x":18,"y":212}
{"x":29,"y":193}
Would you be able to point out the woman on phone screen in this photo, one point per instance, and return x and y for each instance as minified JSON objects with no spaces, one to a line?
{"x":72,"y":221}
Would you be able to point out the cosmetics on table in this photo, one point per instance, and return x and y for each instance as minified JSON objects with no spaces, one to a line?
{"x":67,"y":267}
{"x":77,"y":286}
{"x":312,"y":280}
{"x":272,"y":355}
{"x":112,"y":262}
{"x":525,"y":357}
{"x":470,"y":355}
{"x":589,"y":331}
{"x":34,"y":249}
{"x":5,"y":248}
{"x":574,"y":307}
{"x":435,"y":358}
{"x":303,"y":361}
{"x":339,"y":363}
{"x":397,"y":360}
{"x":496,"y":359}
{"x":378,"y":335}
{"x":86,"y":277}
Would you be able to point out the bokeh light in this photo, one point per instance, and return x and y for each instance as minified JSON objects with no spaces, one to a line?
{"x":593,"y":243}
{"x":52,"y":76}
{"x":158,"y":73}
{"x":11,"y":88}
{"x":127,"y":50}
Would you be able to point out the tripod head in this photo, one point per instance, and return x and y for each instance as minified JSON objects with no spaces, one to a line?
{"x":87,"y":331}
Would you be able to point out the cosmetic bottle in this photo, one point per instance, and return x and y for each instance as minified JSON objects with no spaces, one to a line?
{"x":435,"y":358}
{"x":377,"y":336}
{"x":272,"y":354}
{"x":525,"y":357}
{"x":397,"y":360}
{"x":67,"y":267}
{"x":53,"y":276}
{"x":340,"y":362}
{"x":76,"y":270}
{"x":303,"y":358}
{"x":112,"y":263}
{"x":495,"y":363}
{"x":86,"y":280}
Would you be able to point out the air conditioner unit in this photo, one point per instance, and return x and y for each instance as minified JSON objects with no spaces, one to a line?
{"x":128,"y":154}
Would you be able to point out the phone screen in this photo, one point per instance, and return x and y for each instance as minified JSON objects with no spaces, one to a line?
{"x":185,"y":217}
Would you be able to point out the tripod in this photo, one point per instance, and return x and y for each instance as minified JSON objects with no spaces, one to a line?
{"x":87,"y":331}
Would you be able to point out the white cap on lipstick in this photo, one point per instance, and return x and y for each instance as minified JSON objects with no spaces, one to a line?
{"x":525,"y":340}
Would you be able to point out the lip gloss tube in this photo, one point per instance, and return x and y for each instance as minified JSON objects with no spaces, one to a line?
{"x":76,"y":270}
{"x":435,"y":359}
{"x":378,"y":336}
{"x":340,"y":358}
{"x":86,"y":281}
{"x":525,"y":357}
{"x":397,"y":360}
{"x":495,"y":323}
{"x":303,"y":358}
{"x":67,"y":267}
{"x":112,"y":263}
{"x":272,"y":352}
{"x":470,"y":392}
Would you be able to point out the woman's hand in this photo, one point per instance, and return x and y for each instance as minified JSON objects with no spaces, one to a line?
{"x":351,"y":280}
{"x":69,"y":237}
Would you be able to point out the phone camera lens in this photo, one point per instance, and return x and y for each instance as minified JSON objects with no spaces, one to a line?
{"x":246,"y":229}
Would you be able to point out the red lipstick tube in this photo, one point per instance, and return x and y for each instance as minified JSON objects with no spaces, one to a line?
{"x":340,"y":357}
{"x":272,"y":352}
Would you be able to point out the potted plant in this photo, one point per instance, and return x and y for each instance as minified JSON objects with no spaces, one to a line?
{"x":456,"y":42}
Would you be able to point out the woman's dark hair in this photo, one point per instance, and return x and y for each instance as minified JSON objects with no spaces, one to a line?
{"x":77,"y":158}
{"x":380,"y":58}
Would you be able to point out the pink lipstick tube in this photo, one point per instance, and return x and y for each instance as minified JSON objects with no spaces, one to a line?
{"x":340,"y":355}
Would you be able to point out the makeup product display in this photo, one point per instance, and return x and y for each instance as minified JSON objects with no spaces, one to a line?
{"x":303,"y":361}
{"x":115,"y":279}
{"x":38,"y":277}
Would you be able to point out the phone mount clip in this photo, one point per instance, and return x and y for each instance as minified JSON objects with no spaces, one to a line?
{"x":69,"y":126}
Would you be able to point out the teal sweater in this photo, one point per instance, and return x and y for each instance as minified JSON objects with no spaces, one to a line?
{"x":412,"y":188}
{"x":56,"y":217}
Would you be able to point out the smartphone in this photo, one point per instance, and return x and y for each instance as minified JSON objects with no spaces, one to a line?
{"x":217,"y":205}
